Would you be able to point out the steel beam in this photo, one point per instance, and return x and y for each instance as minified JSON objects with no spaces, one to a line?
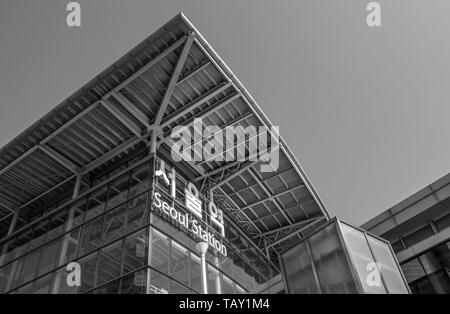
{"x":272,"y":197}
{"x":59,"y":158}
{"x":139,"y":115}
{"x":199,"y":68}
{"x":126,"y":121}
{"x":174,"y":79}
{"x":195,"y":103}
{"x":296,"y":232}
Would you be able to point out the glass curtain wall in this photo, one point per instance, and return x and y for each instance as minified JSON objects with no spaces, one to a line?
{"x":124,"y":246}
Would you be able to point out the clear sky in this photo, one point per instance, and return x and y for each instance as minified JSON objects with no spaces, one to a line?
{"x":366,"y":111}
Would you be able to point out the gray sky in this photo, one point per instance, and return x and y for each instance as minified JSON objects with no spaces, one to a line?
{"x":365,"y":110}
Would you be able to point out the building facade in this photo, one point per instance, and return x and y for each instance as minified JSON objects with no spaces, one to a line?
{"x":418,"y":229}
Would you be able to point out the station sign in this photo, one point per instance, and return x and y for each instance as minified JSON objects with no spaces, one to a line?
{"x":195,"y":223}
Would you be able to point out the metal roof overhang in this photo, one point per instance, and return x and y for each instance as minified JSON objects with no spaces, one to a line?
{"x":169,"y":79}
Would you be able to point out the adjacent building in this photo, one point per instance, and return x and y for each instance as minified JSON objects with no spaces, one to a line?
{"x":418,"y":229}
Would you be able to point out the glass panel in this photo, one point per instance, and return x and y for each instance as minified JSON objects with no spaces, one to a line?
{"x":159,"y":284}
{"x":240,"y":290}
{"x":114,"y":224}
{"x":38,"y":235}
{"x":330,"y":262}
{"x":238,"y":271}
{"x":250,"y":274}
{"x":87,"y":266}
{"x":135,"y":251}
{"x":436,"y":264}
{"x":56,"y":225}
{"x":110,"y":288}
{"x":5,"y":275}
{"x":413,"y":270}
{"x":159,"y":251}
{"x":96,"y":203}
{"x":387,"y":265}
{"x":91,"y":235}
{"x":136,"y":212}
{"x":214,"y":285}
{"x":48,"y":258}
{"x":298,"y":270}
{"x":30,"y":263}
{"x":226,"y":264}
{"x":117,"y":191}
{"x":418,"y":235}
{"x":196,"y":273}
{"x":179,"y":265}
{"x":366,"y":268}
{"x":227,"y":285}
{"x":42,"y":285}
{"x":69,"y":246}
{"x":27,"y":289}
{"x":134,"y":283}
{"x":139,"y":180}
{"x":109,"y":263}
{"x":176,"y":288}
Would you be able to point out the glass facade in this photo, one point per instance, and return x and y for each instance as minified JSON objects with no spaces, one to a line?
{"x":429,"y":273}
{"x":124,"y":244}
{"x":339,"y":258}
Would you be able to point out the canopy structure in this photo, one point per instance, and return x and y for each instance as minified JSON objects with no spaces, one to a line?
{"x":171,"y":78}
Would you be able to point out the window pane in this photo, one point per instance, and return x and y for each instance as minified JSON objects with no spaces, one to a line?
{"x":27,"y":289}
{"x":159,"y":284}
{"x":214,"y":285}
{"x":96,"y":202}
{"x":30,"y":263}
{"x":69,"y":247}
{"x":330,"y":262}
{"x":388,"y":267}
{"x":87,"y":266}
{"x":114,"y":225}
{"x":240,"y":290}
{"x":136,"y":212}
{"x":227,"y":285}
{"x":139,"y":180}
{"x":109,"y":262}
{"x":413,"y":270}
{"x":42,"y":286}
{"x":179,"y":265}
{"x":56,"y":225}
{"x":298,"y":269}
{"x":196,"y":273}
{"x":176,"y":288}
{"x":159,"y":251}
{"x":134,"y":283}
{"x":135,"y":251}
{"x":363,"y":260}
{"x":91,"y":235}
{"x":48,"y":258}
{"x":117,"y":192}
{"x":109,"y":288}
